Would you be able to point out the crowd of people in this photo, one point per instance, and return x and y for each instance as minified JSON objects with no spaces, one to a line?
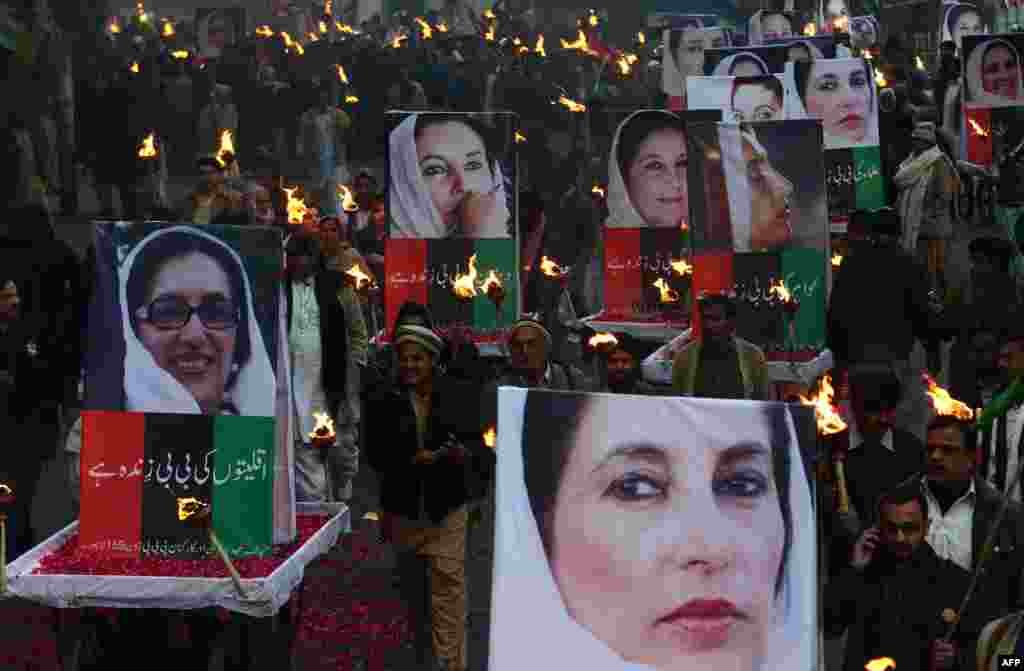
{"x":923,"y":488}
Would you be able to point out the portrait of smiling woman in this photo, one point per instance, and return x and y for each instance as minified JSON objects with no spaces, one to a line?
{"x":647,"y":172}
{"x":680,"y":539}
{"x":447,"y":178}
{"x":757,"y":99}
{"x":993,"y":73}
{"x":841,"y":93}
{"x":192,"y":341}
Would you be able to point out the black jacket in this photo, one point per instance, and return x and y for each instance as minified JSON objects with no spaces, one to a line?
{"x":879,"y":306}
{"x":333,"y":331}
{"x":897,"y":612}
{"x":390,"y":427}
{"x":1000,"y":587}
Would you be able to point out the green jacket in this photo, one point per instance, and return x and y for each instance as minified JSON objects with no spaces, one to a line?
{"x":753,"y":368}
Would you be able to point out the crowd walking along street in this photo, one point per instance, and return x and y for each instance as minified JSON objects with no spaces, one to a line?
{"x":453,"y":335}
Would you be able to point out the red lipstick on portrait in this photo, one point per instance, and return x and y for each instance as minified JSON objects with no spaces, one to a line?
{"x":851,"y":120}
{"x":703,"y":624}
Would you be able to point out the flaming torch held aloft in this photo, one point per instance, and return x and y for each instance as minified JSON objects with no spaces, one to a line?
{"x":264,"y":31}
{"x":297,"y":209}
{"x":348,"y":201}
{"x":147,"y":149}
{"x":464,"y":286}
{"x":197,"y":513}
{"x":603,"y":341}
{"x":682,"y":267}
{"x":666,"y":293}
{"x":944,"y":404}
{"x":551,"y":268}
{"x":490,"y":437}
{"x":977,"y":128}
{"x":539,"y":47}
{"x":832,"y":427}
{"x":494,"y":290}
{"x":168,"y":29}
{"x":598,"y":191}
{"x":837,"y":260}
{"x":880,"y":664}
{"x":323,"y":434}
{"x":226,"y":151}
{"x":6,"y":500}
{"x":360,"y":280}
{"x":810,"y":30}
{"x":426,"y":30}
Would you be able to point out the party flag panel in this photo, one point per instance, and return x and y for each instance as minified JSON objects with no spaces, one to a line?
{"x":498,"y":256}
{"x":804,"y":273}
{"x":405,"y":276}
{"x":139,"y":465}
{"x":646,"y":276}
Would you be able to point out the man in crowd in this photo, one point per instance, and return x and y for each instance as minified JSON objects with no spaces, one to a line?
{"x":892,"y":595}
{"x":324,"y":325}
{"x":322,"y":147}
{"x":962,"y":507}
{"x":1000,"y":447}
{"x":530,"y":363}
{"x":622,"y":366}
{"x":720,"y":364}
{"x":211,"y":197}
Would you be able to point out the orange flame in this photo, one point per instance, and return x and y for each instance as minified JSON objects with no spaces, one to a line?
{"x":324,"y":428}
{"x":550,"y":267}
{"x":135,"y":67}
{"x":490,"y":437}
{"x":880,"y":664}
{"x":313,"y":37}
{"x":593,"y":19}
{"x":520,"y":138}
{"x":837,"y":260}
{"x":489,"y":35}
{"x":945,"y":404}
{"x":342,"y":75}
{"x":978,"y":129}
{"x":598,"y":190}
{"x":168,"y":28}
{"x":114,"y":27}
{"x":539,"y":47}
{"x":264,"y":31}
{"x":580,"y":44}
{"x":322,"y":26}
{"x":289,"y":43}
{"x":810,"y":30}
{"x":489,"y":14}
{"x":465,"y":285}
{"x":426,"y":31}
{"x":344,"y":28}
{"x":397,"y":42}
{"x":641,"y":38}
{"x":780,"y":290}
{"x":148,"y":147}
{"x":362,"y":279}
{"x":329,"y":7}
{"x":918,"y":63}
{"x":668,"y":294}
{"x":880,"y":80}
{"x":181,"y":54}
{"x":351,"y":99}
{"x":227,"y":145}
{"x":572,"y":104}
{"x":682,"y":267}
{"x":491,"y":283}
{"x":297,"y":209}
{"x":828,"y":419}
{"x":600,"y":339}
{"x":841,"y":23}
{"x":190,"y":507}
{"x":348,"y":202}
{"x":625,"y":67}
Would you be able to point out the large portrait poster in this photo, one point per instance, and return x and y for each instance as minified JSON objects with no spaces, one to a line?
{"x":599,"y":521}
{"x":841,"y":93}
{"x":762,"y":218}
{"x":646,"y":244}
{"x":739,"y":99}
{"x":683,"y":57}
{"x":746,"y":61}
{"x":182,"y":384}
{"x":452,"y":212}
{"x":960,"y":19}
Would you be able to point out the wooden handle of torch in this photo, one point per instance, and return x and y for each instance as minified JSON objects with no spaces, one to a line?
{"x":841,"y":489}
{"x":235,"y":577}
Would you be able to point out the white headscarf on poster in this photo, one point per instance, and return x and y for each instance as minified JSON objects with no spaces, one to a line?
{"x":831,"y":117}
{"x":737,"y":183}
{"x":673,"y":72}
{"x":531,"y":627}
{"x":410,"y":206}
{"x":726,"y":66}
{"x":150,"y":388}
{"x":622,"y":213}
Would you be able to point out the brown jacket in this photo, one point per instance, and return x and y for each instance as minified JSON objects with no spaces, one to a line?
{"x":753,"y":368}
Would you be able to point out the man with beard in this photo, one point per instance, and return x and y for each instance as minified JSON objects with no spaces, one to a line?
{"x":895,"y":592}
{"x":720,"y":364}
{"x":622,"y":366}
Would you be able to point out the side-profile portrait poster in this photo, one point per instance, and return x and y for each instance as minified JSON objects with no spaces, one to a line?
{"x":600,"y":523}
{"x":746,"y":61}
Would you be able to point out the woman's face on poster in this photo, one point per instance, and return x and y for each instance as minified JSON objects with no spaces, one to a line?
{"x":453,"y":162}
{"x":776,"y":26}
{"x":652,"y":524}
{"x":756,"y":102}
{"x":770,"y":193}
{"x":656,"y":178}
{"x":839,"y":93}
{"x":1000,"y":72}
{"x":196,"y":355}
{"x":969,"y":23}
{"x":691,"y":53}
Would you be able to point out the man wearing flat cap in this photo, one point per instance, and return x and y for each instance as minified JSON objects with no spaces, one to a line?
{"x":928,"y":184}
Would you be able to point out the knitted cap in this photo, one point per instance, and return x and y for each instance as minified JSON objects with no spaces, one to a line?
{"x":423,"y":337}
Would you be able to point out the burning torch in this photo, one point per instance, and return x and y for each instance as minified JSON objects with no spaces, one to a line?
{"x":6,"y":501}
{"x":495,"y":291}
{"x":832,"y":428}
{"x":199,"y":514}
{"x":323,"y":434}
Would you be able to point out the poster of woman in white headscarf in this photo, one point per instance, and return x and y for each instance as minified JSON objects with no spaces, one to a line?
{"x":217,"y":29}
{"x":841,"y":93}
{"x":745,"y":61}
{"x":762,"y":185}
{"x":684,"y":56}
{"x":601,"y":523}
{"x":739,"y":98}
{"x":190,"y":320}
{"x":960,"y":19}
{"x":992,"y":71}
{"x":864,"y":32}
{"x":451,"y":175}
